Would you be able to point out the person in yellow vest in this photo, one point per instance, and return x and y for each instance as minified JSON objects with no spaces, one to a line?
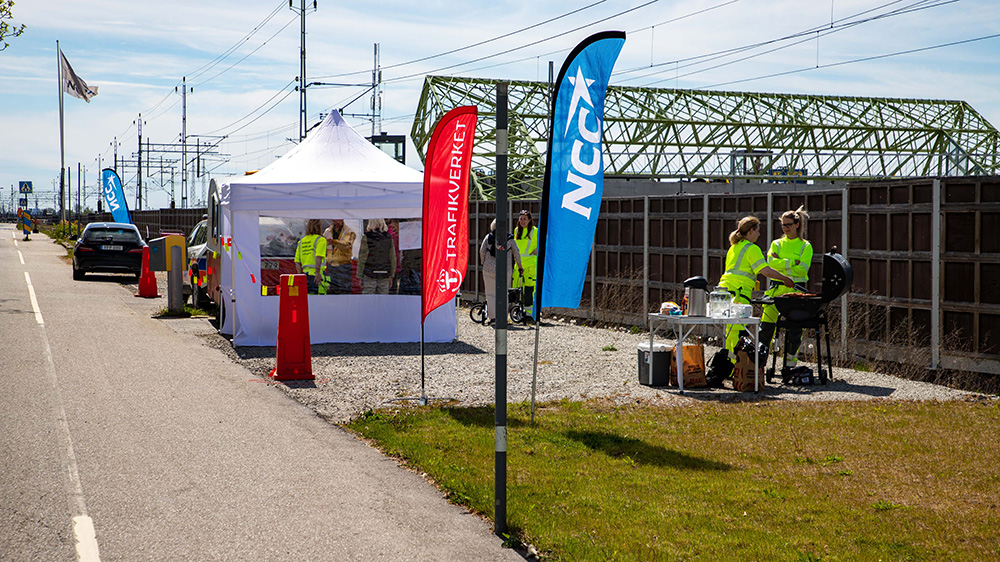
{"x":310,"y":254}
{"x":526,"y":238}
{"x":744,"y":262}
{"x":791,"y":255}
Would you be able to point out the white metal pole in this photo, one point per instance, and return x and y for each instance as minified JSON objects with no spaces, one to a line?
{"x":62,"y":150}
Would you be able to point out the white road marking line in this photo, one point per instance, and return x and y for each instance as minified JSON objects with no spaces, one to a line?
{"x":83,"y":525}
{"x":34,"y":301}
{"x":86,"y":539}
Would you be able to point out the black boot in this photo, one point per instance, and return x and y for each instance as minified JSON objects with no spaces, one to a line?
{"x":720,"y":369}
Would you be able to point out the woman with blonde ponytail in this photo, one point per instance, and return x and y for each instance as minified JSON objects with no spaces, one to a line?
{"x":791,"y":255}
{"x":744,"y":262}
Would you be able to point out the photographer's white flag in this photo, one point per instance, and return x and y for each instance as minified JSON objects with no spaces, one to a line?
{"x":73,"y":84}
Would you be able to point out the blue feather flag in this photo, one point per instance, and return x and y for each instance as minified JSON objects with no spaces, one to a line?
{"x":574,"y":171}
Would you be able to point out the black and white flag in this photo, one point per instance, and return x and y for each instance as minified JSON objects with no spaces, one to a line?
{"x":73,"y":84}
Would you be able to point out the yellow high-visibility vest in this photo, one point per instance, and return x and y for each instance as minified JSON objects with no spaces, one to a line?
{"x":309,"y":247}
{"x":743,"y":261}
{"x":794,"y":257}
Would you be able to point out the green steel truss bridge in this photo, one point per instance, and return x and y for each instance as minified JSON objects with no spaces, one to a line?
{"x":657,"y":133}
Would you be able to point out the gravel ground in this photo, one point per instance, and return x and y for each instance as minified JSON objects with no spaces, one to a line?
{"x":575,"y":362}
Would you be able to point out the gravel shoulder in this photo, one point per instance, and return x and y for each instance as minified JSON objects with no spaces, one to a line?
{"x":575,"y":363}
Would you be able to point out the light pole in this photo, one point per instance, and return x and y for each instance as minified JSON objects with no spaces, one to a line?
{"x":302,"y":64}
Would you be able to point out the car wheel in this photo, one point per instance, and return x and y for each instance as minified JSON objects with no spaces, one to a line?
{"x":77,"y":274}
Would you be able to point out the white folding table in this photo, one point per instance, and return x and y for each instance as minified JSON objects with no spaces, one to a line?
{"x":684,"y":325}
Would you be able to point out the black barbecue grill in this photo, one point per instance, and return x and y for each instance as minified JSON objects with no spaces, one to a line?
{"x":808,"y":311}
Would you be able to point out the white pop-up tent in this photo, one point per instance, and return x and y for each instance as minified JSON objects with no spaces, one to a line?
{"x":334,"y":173}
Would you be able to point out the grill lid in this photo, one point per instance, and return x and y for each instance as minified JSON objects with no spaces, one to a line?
{"x":837,"y":276}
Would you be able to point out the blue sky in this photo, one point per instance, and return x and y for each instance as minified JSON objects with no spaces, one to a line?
{"x":137,"y":51}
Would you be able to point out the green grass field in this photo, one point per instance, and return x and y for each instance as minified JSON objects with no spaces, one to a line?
{"x":739,"y":481}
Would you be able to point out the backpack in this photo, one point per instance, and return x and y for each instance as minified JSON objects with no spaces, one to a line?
{"x":491,"y":245}
{"x":379,"y":254}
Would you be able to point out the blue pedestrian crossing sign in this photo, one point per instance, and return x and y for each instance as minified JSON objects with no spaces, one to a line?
{"x":24,"y":186}
{"x":22,"y":202}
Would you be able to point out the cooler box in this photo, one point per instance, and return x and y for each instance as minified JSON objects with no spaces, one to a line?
{"x":661,"y":365}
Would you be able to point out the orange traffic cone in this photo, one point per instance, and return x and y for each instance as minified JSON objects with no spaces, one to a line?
{"x":294,"y":357}
{"x":147,"y":280}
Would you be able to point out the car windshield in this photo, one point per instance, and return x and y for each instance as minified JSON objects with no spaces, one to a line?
{"x":199,"y":236}
{"x":112,"y":235}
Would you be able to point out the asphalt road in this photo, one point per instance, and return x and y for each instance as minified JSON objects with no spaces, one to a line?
{"x":124,"y":438}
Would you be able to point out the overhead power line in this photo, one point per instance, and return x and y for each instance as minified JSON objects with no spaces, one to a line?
{"x":630,"y":32}
{"x":232,"y":49}
{"x":532,"y":44}
{"x":208,"y":66}
{"x":805,"y":35}
{"x":246,"y":56}
{"x":234,"y":123}
{"x":853,"y":61}
{"x":217,"y":60}
{"x":467,"y":47}
{"x":809,"y":31}
{"x":262,"y":113}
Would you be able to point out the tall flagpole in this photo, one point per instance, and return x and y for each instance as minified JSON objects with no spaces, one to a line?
{"x":542,"y":219}
{"x":62,"y":150}
{"x":500,"y":400}
{"x":423,"y":392}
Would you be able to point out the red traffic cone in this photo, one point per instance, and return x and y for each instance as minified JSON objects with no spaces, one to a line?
{"x":294,"y":357}
{"x":147,"y":280}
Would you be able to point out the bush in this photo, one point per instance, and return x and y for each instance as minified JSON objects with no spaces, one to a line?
{"x":62,"y":230}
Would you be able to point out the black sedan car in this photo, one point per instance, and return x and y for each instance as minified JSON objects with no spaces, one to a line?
{"x":108,"y":247}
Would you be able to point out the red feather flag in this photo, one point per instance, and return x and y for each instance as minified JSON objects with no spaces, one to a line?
{"x":445,"y":244}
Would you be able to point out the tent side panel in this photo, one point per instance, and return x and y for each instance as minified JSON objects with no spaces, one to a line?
{"x":351,"y":319}
{"x":332,"y":318}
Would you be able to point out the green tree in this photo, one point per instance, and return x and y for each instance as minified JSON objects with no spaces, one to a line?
{"x":6,"y":29}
